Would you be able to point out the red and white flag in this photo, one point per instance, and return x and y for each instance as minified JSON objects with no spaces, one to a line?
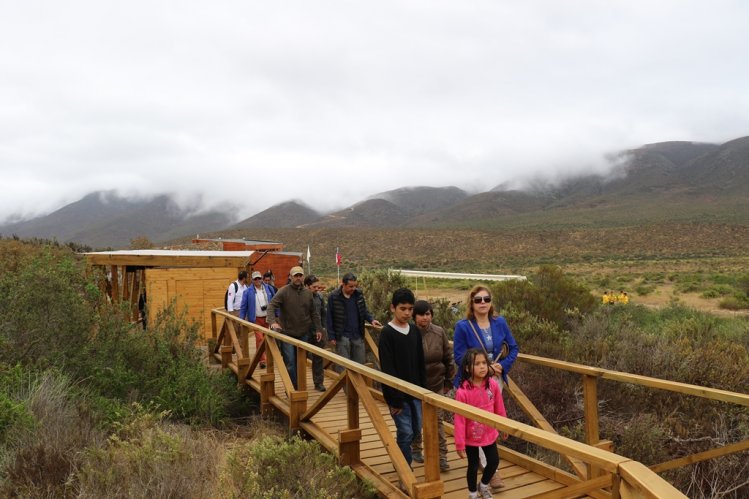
{"x":338,"y":258}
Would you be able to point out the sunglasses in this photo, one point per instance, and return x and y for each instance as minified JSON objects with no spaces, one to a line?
{"x":479,"y":299}
{"x":257,"y":278}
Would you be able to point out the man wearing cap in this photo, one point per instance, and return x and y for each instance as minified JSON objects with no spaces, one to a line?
{"x":254,"y":307}
{"x":298,"y":315}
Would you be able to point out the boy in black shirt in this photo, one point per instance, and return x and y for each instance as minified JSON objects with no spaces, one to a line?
{"x":402,"y":356}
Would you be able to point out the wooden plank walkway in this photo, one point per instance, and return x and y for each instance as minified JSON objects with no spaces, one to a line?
{"x":519,"y":481}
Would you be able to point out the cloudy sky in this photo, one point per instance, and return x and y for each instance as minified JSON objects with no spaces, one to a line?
{"x":331,"y":101}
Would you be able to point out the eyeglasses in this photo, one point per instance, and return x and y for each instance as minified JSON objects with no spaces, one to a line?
{"x":297,"y":275}
{"x":479,"y":299}
{"x":257,"y":278}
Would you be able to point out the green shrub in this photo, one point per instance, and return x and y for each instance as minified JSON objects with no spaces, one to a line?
{"x":273,"y":467}
{"x":548,"y":295}
{"x":735,"y":302}
{"x":41,"y":462}
{"x":52,"y":311}
{"x":147,"y":458}
{"x":446,"y":315}
{"x":644,"y":289}
{"x":378,"y":287}
{"x":717,"y":290}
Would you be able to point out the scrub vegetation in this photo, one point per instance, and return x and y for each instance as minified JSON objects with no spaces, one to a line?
{"x":92,"y":405}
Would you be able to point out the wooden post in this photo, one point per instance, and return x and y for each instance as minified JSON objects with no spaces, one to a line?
{"x":592,"y":436}
{"x":297,"y":407}
{"x":267,"y":390}
{"x":115,"y":283}
{"x":430,"y":438}
{"x":352,"y":404}
{"x":227,"y":348}
{"x":244,"y":340}
{"x":301,"y":369}
{"x":348,"y":447}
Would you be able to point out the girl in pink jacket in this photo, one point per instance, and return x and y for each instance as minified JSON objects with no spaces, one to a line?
{"x":479,"y":389}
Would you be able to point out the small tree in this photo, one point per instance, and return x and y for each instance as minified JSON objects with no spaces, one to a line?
{"x":141,"y":242}
{"x":378,"y":287}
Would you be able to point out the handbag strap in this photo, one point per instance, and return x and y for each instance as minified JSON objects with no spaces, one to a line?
{"x":478,"y":337}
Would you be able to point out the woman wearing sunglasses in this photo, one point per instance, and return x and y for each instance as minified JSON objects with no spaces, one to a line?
{"x":488,"y":332}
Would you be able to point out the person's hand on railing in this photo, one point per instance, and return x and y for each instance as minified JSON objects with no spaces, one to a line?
{"x":275,"y":326}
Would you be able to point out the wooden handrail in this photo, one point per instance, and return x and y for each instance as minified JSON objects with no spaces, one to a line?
{"x":632,"y":477}
{"x":635,"y":379}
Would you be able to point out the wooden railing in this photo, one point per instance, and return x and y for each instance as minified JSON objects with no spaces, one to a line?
{"x":590,"y":377}
{"x":617,"y":476}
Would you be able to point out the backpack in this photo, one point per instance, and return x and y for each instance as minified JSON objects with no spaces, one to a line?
{"x":226,"y":295}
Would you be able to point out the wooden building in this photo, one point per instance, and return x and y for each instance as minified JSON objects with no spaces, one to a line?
{"x":149,"y":279}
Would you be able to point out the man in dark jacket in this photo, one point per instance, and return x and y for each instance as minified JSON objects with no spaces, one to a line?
{"x":347,"y":311}
{"x":298,"y":316}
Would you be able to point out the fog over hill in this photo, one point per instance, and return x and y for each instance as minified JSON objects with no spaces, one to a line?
{"x":679,"y":181}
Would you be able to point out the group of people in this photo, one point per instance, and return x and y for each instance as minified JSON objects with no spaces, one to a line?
{"x":612,"y":298}
{"x":419,"y":352}
{"x":300,"y":311}
{"x":411,"y":348}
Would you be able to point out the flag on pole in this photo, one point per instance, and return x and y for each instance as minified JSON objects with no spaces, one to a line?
{"x":338,"y":257}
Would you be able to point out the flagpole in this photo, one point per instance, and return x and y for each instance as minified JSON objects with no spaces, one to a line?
{"x":338,"y":264}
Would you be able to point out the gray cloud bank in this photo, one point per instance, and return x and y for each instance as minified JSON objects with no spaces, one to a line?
{"x":254,"y":103}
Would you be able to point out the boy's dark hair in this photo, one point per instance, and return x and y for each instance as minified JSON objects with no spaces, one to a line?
{"x":466,"y":367}
{"x":403,"y":295}
{"x":268,"y":274}
{"x":422,"y":307}
{"x":348,"y":276}
{"x":242,"y":275}
{"x":310,"y":280}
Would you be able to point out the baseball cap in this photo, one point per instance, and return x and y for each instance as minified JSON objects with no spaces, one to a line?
{"x":257,"y":275}
{"x":296,"y":270}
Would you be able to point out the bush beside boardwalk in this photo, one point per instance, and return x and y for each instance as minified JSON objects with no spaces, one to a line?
{"x":94,"y":406}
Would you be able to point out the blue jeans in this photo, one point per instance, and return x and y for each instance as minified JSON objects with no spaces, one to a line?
{"x":408,"y":425}
{"x":289,"y":358}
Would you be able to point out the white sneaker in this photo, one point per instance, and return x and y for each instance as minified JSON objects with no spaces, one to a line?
{"x":485,"y":491}
{"x":473,"y":495}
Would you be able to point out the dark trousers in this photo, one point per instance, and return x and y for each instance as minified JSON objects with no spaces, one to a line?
{"x":492,"y":463}
{"x":317,"y":364}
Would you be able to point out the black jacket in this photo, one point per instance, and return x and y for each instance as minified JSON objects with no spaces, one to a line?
{"x":336,"y":317}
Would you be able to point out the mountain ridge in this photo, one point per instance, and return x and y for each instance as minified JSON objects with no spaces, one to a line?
{"x":677,"y":180}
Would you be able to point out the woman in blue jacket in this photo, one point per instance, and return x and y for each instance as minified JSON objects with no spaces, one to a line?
{"x":486,"y":331}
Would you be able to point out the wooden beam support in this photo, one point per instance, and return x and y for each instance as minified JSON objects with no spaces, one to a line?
{"x":701,"y":456}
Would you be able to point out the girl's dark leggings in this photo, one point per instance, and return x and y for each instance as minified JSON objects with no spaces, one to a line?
{"x":492,"y":463}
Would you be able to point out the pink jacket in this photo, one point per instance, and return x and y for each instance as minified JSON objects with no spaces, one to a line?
{"x":469,"y":432}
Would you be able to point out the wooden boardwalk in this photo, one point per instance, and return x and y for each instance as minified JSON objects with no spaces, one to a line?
{"x":520,"y":482}
{"x":352,"y":422}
